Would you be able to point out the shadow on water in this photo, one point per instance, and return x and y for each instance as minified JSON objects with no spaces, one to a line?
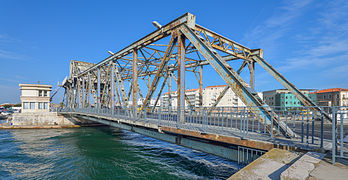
{"x":102,"y":153}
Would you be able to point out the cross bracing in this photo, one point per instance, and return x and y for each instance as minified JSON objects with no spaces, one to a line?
{"x":167,"y":54}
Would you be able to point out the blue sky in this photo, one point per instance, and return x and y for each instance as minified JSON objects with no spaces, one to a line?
{"x":305,"y":40}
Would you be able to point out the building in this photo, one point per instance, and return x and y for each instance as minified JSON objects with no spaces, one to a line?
{"x":283,"y":98}
{"x":191,"y":94}
{"x":152,"y":102}
{"x":210,"y":95}
{"x":35,"y":97}
{"x":332,"y":97}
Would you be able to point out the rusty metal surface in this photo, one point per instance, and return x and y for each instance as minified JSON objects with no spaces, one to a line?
{"x":152,"y":59}
{"x":234,"y":81}
{"x":225,"y":139}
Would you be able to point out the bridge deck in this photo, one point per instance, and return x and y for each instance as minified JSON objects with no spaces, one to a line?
{"x":222,"y":134}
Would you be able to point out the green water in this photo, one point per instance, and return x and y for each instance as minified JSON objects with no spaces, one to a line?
{"x":102,"y":153}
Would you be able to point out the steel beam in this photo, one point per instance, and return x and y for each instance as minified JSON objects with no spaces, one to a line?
{"x":112,"y":84}
{"x":234,"y":81}
{"x":135,"y":77}
{"x":98,"y":89}
{"x":170,"y":92}
{"x":161,"y":67}
{"x":181,"y":78}
{"x":200,"y":86}
{"x":251,"y":66}
{"x":224,"y":91}
{"x":165,"y":31}
{"x":300,"y":96}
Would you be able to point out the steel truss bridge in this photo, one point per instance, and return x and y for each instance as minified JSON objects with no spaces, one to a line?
{"x":107,"y":92}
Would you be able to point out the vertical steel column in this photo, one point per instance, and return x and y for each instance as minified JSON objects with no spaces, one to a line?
{"x":98,"y":90}
{"x":112,"y":84}
{"x":251,"y":66}
{"x":181,"y":78}
{"x":333,"y":131}
{"x":135,"y":79}
{"x":89,"y":90}
{"x":83,"y":90}
{"x":200,"y":86}
{"x":170,"y":92}
{"x":77,"y":95}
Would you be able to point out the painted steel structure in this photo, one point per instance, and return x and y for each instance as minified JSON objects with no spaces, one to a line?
{"x":154,"y":61}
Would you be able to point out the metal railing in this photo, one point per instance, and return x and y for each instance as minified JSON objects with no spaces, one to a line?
{"x":312,"y":128}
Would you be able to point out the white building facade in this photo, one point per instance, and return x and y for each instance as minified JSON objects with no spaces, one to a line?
{"x":35,"y":97}
{"x":210,"y":95}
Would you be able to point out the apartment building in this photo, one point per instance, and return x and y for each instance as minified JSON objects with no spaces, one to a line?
{"x":283,"y":98}
{"x":332,"y":97}
{"x":191,"y":94}
{"x":210,"y":95}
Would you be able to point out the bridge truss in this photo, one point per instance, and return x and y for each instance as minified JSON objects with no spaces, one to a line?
{"x":177,"y":48}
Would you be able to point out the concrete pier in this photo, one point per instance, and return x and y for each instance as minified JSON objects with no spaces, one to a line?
{"x":286,"y":165}
{"x":43,"y":120}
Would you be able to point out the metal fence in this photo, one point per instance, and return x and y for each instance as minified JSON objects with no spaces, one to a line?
{"x":311,"y":128}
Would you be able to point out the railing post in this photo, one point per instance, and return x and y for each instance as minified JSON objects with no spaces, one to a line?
{"x":244,"y":123}
{"x":333,"y":135}
{"x":302,"y":128}
{"x":307,"y":126}
{"x":313,"y":127}
{"x":322,"y":130}
{"x":341,"y":134}
{"x":272,"y":119}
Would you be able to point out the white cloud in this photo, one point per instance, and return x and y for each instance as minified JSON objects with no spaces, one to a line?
{"x":326,"y":44}
{"x":274,"y":28}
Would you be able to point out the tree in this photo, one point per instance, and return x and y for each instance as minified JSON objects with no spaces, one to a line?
{"x":7,"y":106}
{"x":18,"y":105}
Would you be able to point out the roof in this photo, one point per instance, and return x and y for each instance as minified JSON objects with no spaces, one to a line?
{"x":216,"y":86}
{"x":329,"y":90}
{"x":35,"y":85}
{"x":289,"y":90}
{"x":187,"y":90}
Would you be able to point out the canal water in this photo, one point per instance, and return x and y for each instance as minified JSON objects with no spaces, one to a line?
{"x":102,"y":153}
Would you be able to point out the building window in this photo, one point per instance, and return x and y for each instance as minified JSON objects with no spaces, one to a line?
{"x":25,"y":105}
{"x":45,"y":105}
{"x":286,"y":102}
{"x":45,"y":93}
{"x":40,"y":105}
{"x":32,"y":105}
{"x":286,"y":97}
{"x":40,"y":93}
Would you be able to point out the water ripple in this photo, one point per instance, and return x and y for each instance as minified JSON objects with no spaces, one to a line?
{"x":102,"y":153}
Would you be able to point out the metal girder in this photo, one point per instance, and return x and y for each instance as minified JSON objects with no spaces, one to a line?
{"x":223,"y":92}
{"x":300,"y":96}
{"x":165,"y":31}
{"x":224,"y":44}
{"x":98,"y":88}
{"x":158,"y":75}
{"x":160,"y":91}
{"x":120,"y":83}
{"x":135,"y":77}
{"x":181,"y":78}
{"x":236,"y":83}
{"x":186,"y":98}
